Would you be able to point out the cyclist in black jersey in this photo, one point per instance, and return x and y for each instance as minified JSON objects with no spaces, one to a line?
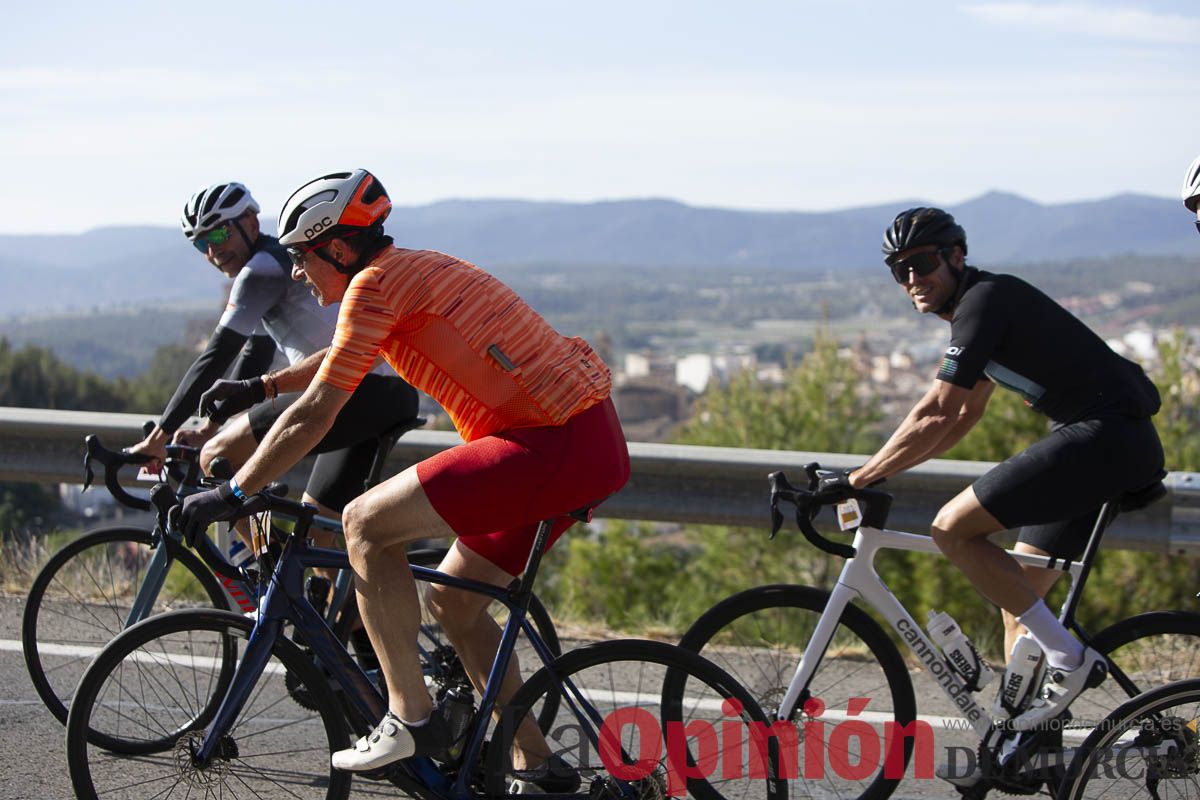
{"x":1005,"y":332}
{"x":221,"y":221}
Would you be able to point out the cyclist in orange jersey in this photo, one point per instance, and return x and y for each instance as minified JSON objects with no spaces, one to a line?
{"x":541,"y":440}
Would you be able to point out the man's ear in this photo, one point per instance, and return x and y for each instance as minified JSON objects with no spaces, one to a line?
{"x":341,"y":251}
{"x":250,"y":222}
{"x":956,"y":257}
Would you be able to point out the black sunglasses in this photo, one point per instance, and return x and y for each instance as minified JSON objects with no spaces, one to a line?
{"x":918,"y":263}
{"x":296,"y":253}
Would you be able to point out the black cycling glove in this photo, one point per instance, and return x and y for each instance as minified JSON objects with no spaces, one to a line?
{"x":203,"y":509}
{"x":227,"y":398}
{"x":833,"y":488}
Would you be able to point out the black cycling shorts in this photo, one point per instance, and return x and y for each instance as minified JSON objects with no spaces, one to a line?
{"x":1053,"y":490}
{"x":345,"y":455}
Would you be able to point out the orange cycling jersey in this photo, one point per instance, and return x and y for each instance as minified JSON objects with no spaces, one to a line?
{"x":465,"y":339}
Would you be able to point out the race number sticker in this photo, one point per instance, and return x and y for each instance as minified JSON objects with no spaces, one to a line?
{"x":848,"y":514}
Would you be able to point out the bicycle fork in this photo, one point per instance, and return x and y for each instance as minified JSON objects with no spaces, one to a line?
{"x":818,"y":643}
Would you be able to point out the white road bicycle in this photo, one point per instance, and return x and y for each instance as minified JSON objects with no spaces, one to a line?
{"x":850,"y":670}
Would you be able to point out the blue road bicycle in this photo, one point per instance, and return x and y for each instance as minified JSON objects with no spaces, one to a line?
{"x":205,"y":700}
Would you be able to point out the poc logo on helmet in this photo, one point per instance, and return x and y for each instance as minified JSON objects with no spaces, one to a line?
{"x":954,"y":351}
{"x":317,"y":227}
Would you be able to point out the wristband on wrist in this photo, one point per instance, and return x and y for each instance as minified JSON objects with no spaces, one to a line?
{"x":237,"y":490}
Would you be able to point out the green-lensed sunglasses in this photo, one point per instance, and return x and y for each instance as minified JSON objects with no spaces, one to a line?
{"x":215,"y":238}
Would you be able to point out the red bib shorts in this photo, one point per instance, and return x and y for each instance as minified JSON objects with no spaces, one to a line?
{"x":495,"y":490}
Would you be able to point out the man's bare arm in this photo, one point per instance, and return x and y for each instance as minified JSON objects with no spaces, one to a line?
{"x":936,"y":422}
{"x":293,"y":435}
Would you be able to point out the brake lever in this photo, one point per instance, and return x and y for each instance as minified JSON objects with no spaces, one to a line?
{"x":776,"y":518}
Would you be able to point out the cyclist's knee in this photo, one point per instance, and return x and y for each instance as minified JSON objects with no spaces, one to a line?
{"x":213,"y":449}
{"x":946,"y":533}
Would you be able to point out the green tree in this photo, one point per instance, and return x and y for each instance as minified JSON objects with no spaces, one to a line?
{"x":629,"y":576}
{"x":33,"y":377}
{"x":823,"y":406}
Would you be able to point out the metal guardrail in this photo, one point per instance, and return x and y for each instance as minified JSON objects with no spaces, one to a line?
{"x":698,"y":485}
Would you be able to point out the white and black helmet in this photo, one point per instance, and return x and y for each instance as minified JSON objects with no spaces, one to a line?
{"x":335,"y":205}
{"x":215,"y":205}
{"x":1191,"y":186}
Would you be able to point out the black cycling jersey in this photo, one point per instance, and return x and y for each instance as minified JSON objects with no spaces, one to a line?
{"x":1007,"y":331}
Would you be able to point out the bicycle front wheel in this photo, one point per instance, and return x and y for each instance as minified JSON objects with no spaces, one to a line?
{"x":158,"y":686}
{"x":81,"y":599}
{"x":614,"y":736}
{"x":758,"y":637}
{"x":1148,"y":747}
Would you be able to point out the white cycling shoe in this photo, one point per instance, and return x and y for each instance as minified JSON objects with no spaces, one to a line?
{"x":1059,"y":689}
{"x":389,"y":742}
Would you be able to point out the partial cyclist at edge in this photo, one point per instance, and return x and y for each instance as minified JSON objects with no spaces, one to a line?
{"x":1191,"y":190}
{"x":542,"y":440}
{"x":221,"y":222}
{"x":1102,"y":442}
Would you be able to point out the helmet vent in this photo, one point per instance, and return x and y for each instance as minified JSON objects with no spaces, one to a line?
{"x":233,"y":198}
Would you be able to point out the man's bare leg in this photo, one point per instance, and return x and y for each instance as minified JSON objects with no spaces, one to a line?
{"x":960,"y":530}
{"x":378,"y":526}
{"x":1042,"y":580}
{"x":476,"y":638}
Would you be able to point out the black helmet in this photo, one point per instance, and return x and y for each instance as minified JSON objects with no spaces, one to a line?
{"x":920,"y":226}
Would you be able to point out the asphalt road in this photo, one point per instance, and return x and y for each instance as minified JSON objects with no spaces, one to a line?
{"x":33,"y":762}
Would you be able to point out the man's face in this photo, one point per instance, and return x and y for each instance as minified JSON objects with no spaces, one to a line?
{"x":228,"y":249}
{"x":930,"y":291}
{"x":327,"y":284}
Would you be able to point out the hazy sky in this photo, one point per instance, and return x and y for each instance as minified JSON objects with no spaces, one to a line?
{"x":114,"y":113}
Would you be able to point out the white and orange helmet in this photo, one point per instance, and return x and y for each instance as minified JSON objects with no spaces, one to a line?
{"x":333,"y":206}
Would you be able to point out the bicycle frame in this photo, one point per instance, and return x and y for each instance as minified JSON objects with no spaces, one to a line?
{"x":285,"y":600}
{"x":860,"y":580}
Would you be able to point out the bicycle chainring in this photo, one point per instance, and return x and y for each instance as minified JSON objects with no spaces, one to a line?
{"x":299,"y":693}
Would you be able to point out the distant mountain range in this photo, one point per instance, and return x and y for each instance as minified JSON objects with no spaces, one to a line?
{"x":140,"y":265}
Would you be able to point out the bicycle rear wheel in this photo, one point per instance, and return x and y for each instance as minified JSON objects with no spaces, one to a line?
{"x":82,"y":597}
{"x":1151,"y":650}
{"x":1148,"y":747}
{"x":758,"y":637}
{"x":159,"y":684}
{"x":612,"y":725}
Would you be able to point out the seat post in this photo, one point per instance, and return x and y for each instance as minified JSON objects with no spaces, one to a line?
{"x":525,"y":585}
{"x":1108,"y":513}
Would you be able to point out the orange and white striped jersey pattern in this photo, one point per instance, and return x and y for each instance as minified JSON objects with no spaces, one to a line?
{"x":465,"y":339}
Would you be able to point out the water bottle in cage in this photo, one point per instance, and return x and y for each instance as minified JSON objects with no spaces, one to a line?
{"x":238,"y":555}
{"x":1021,"y":679}
{"x":960,"y":654}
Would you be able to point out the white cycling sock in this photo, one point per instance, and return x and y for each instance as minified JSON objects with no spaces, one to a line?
{"x":1062,"y":649}
{"x":408,"y":724}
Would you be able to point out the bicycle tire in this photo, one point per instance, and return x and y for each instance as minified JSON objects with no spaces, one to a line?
{"x":96,"y":619}
{"x":593,"y":670}
{"x":1152,"y":649}
{"x":758,"y":636}
{"x":273,"y":747}
{"x":1158,"y":728}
